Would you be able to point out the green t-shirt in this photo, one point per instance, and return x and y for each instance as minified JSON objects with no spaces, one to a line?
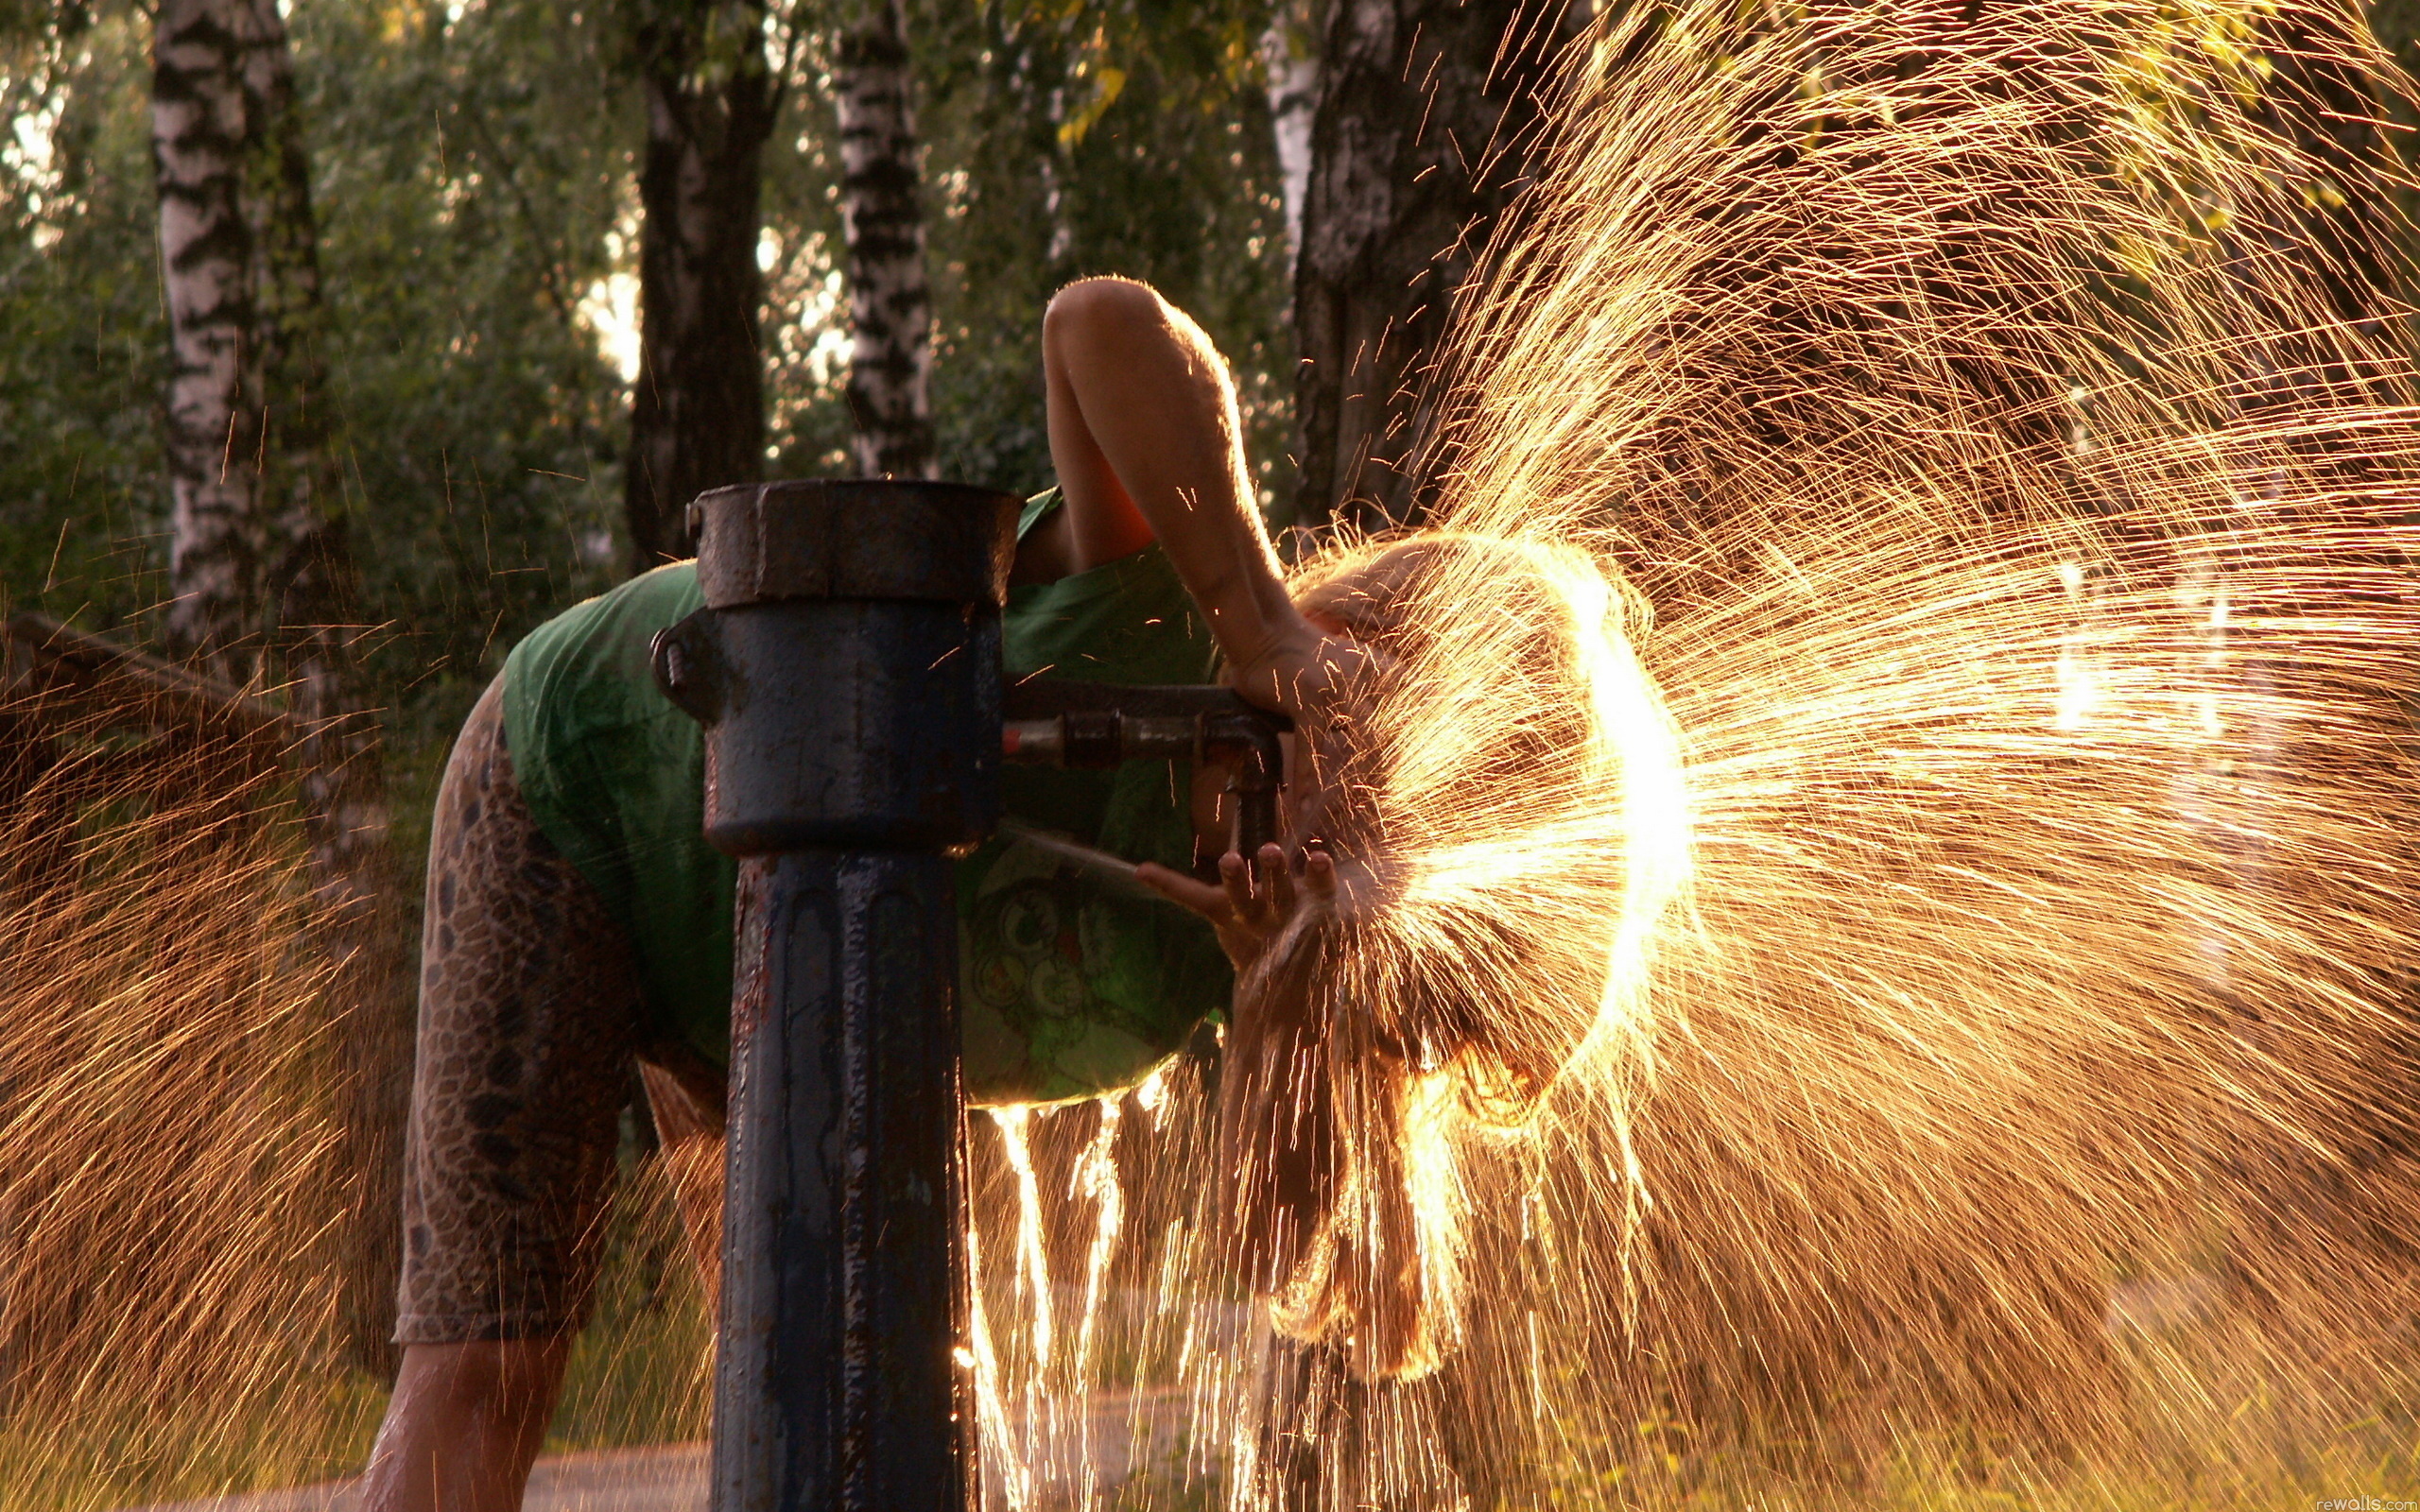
{"x":1070,"y":984}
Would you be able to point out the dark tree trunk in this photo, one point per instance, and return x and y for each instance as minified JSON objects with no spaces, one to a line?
{"x":1427,"y":119}
{"x":264,"y":583}
{"x":698,"y":414}
{"x":890,"y":303}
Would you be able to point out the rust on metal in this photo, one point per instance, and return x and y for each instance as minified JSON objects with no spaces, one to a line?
{"x":936,"y":542}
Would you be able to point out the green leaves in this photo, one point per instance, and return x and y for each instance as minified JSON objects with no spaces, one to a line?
{"x":472,"y":165}
{"x":1073,"y":137}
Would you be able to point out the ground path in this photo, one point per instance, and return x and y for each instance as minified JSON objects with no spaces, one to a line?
{"x":662,"y":1478}
{"x":1131,"y":1431}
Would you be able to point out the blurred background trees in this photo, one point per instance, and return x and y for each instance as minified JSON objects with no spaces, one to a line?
{"x":478,"y":175}
{"x":478,"y":172}
{"x":346,"y":342}
{"x":535,"y":338}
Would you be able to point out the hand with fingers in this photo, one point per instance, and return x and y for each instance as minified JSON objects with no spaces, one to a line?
{"x":1275,"y":1133}
{"x":1251,"y":905}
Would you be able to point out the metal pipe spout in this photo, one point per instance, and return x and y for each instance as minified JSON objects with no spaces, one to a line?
{"x":1061,"y":722}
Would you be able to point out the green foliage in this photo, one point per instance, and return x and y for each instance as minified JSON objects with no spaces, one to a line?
{"x":80,"y":370}
{"x":472,"y":177}
{"x":38,"y":18}
{"x":2396,"y":24}
{"x":468,"y":170}
{"x":1041,"y":170}
{"x":93,"y":1462}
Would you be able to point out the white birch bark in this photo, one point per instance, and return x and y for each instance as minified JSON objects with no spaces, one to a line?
{"x":201,"y":122}
{"x":1289,"y":52}
{"x":263,"y":581}
{"x":882,"y":222}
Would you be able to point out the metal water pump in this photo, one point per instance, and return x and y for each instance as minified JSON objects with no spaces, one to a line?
{"x":847,"y":669}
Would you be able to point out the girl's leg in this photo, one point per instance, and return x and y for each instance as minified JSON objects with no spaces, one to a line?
{"x":530,"y":1009}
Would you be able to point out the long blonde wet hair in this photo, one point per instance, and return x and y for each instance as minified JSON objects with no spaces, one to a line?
{"x":1502,"y":793}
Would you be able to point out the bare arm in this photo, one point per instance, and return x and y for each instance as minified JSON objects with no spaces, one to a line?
{"x":1148,"y":444}
{"x":464,"y":1426}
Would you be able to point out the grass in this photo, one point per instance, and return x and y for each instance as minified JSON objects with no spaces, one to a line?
{"x":638,"y":1375}
{"x":82,"y":1457}
{"x":1933,"y":1476}
{"x":1926,"y":1478}
{"x":2192,"y":1447}
{"x":642,"y":1372}
{"x":2206,"y":1438}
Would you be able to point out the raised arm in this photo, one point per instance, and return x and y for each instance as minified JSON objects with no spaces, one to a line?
{"x":1148,"y":443}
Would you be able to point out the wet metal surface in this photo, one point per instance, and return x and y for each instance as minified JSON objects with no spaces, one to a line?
{"x":1061,"y":722}
{"x":841,"y":1384}
{"x":842,"y":723}
{"x":847,"y":671}
{"x":856,"y":538}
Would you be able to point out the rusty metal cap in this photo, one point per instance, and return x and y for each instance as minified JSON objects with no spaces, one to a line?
{"x":853,"y":538}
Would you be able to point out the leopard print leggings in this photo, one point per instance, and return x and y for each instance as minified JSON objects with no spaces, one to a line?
{"x":530,"y":1018}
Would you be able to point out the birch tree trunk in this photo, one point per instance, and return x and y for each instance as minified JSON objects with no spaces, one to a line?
{"x":203,"y":133}
{"x":1287,"y":50}
{"x":891,"y":307}
{"x":1427,"y":115}
{"x":697,"y":412}
{"x":264,"y":583}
